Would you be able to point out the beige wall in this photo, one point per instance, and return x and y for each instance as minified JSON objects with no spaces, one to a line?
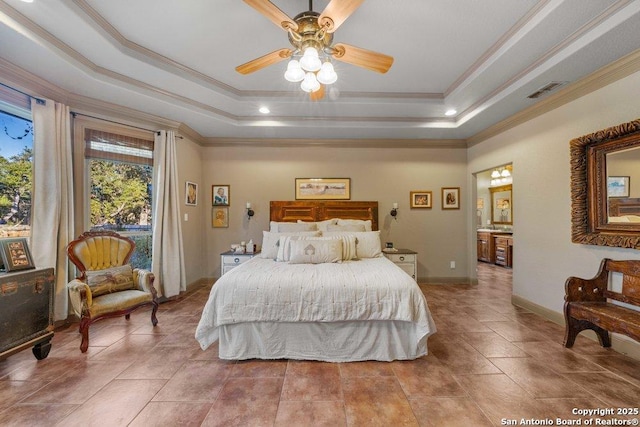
{"x":543,"y":253}
{"x":259,"y":175}
{"x":190,"y":169}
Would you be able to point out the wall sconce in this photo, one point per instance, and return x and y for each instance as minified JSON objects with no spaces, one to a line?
{"x":394,"y":211}
{"x":250,"y":211}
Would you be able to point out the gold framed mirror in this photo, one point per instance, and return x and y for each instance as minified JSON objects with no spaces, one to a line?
{"x":604,"y":211}
{"x":502,"y":205}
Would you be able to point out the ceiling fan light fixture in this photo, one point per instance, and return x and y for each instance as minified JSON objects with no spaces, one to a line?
{"x":310,"y":83}
{"x":495,"y":174}
{"x":310,"y":60}
{"x":294,"y":72}
{"x":327,"y":75}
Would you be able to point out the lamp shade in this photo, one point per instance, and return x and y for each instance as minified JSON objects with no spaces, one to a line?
{"x":505,"y":173}
{"x":310,"y":83}
{"x":495,"y":174}
{"x":310,"y":61}
{"x":327,"y":74}
{"x":294,"y":72}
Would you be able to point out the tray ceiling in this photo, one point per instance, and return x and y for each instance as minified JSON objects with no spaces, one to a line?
{"x":177,"y":60}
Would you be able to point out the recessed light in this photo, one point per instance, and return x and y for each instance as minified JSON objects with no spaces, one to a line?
{"x":28,"y":1}
{"x":450,"y":112}
{"x":264,"y":110}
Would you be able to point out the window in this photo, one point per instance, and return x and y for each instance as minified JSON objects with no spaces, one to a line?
{"x":119,"y":169}
{"x":16,"y":171}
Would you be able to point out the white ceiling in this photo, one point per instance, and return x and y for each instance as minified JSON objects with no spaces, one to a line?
{"x":177,"y":60}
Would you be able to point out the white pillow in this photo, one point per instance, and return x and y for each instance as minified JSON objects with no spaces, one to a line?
{"x":367,"y":243}
{"x":348,"y":227}
{"x":294,"y":227}
{"x":291,"y":227}
{"x":348,"y":246}
{"x":270,"y":242}
{"x":322,"y":225}
{"x":315,"y":251}
{"x":367,"y":223}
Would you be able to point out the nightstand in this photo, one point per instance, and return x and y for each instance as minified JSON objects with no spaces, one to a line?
{"x":406,"y":259}
{"x":230,"y":259}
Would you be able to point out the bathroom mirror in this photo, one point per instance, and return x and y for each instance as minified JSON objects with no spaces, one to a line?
{"x":605,"y":167}
{"x":501,"y":205}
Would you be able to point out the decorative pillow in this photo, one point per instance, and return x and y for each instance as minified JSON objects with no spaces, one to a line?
{"x":322,"y":225}
{"x":348,"y":246}
{"x":270,"y":242}
{"x":367,"y":243}
{"x":315,"y":251}
{"x":349,"y":227}
{"x":294,"y":227}
{"x":367,"y":223}
{"x":110,"y":280}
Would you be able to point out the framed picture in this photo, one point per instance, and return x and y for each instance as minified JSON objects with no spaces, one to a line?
{"x":220,"y":195}
{"x":191,"y":194}
{"x":618,"y":186}
{"x":323,"y":188}
{"x":220,"y":217}
{"x":450,"y":197}
{"x":15,"y":254}
{"x":420,"y":199}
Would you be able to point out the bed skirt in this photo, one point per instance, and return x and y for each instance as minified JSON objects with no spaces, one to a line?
{"x":382,"y":340}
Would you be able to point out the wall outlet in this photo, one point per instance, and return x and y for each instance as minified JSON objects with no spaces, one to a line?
{"x":452,"y":265}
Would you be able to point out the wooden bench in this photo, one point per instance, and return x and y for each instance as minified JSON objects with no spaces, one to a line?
{"x":588,"y":303}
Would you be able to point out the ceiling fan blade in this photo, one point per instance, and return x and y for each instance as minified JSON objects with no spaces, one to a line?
{"x":272,"y":12}
{"x":364,"y":58}
{"x":336,"y":12}
{"x":264,"y":61}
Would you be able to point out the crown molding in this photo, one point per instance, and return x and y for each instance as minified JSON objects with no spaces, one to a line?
{"x":336,"y":143}
{"x":608,"y":74}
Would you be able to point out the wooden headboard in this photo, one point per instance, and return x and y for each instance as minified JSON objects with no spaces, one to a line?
{"x":320,"y":210}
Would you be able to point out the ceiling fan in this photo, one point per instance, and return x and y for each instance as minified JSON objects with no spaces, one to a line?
{"x":310,"y":34}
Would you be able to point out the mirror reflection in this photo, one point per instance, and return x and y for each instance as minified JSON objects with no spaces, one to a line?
{"x":501,"y":205}
{"x":623,"y":198}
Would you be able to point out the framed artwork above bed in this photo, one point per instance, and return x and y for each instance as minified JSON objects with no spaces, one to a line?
{"x":323,"y":188}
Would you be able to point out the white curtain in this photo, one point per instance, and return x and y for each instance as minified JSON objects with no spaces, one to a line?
{"x":52,"y":198}
{"x":167,"y":253}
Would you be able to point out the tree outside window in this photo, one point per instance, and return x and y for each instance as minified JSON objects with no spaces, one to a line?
{"x":16,"y":175}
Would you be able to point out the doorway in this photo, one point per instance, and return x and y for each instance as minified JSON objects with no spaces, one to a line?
{"x":494,"y":219}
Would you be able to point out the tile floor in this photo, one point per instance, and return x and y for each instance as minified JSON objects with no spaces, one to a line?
{"x":489,"y":364}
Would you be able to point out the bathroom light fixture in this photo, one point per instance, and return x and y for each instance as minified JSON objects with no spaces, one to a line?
{"x":250,"y":211}
{"x":501,"y":176}
{"x":394,"y":211}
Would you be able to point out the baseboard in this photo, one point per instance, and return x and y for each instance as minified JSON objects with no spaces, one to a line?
{"x":446,"y":281}
{"x":619,"y":343}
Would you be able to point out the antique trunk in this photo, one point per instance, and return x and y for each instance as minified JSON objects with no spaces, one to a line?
{"x":26,"y":311}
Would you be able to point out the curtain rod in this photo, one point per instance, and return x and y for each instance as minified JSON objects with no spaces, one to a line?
{"x":38,"y":100}
{"x":118,"y":123}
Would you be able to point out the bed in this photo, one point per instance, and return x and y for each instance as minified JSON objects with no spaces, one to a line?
{"x":281,"y":306}
{"x":624,"y":210}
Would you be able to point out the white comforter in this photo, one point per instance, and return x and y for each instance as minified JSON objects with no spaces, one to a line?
{"x":265,"y":290}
